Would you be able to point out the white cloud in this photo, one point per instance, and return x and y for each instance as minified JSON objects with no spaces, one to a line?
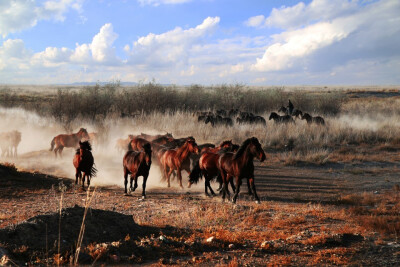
{"x":359,"y":30}
{"x":102,"y":50}
{"x":171,"y":47}
{"x":255,"y":21}
{"x":17,"y":15}
{"x":301,"y":14}
{"x":162,"y":2}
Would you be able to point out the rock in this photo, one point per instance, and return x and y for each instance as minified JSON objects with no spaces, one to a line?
{"x":231,"y":246}
{"x":210,"y":239}
{"x":115,"y":244}
{"x":4,"y":259}
{"x":164,"y":239}
{"x":265,"y":244}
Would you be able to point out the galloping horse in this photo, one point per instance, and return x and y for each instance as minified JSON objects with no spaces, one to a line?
{"x":68,"y":140}
{"x":240,"y":165}
{"x":137,"y":163}
{"x":281,"y":119}
{"x":172,"y":159}
{"x":317,"y":119}
{"x":207,"y":165}
{"x":84,"y":162}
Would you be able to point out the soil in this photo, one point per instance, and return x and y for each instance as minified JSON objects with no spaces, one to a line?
{"x":128,"y":230}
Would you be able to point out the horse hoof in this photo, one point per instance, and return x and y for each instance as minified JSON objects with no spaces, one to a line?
{"x":189,"y":185}
{"x":143,"y":197}
{"x":258,"y":201}
{"x":126,"y":194}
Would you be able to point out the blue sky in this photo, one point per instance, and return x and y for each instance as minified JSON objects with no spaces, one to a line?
{"x":319,"y":42}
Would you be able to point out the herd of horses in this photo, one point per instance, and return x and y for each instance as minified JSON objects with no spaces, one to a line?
{"x":228,"y":163}
{"x":226,"y":118}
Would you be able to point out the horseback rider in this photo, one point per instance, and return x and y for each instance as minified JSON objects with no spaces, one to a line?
{"x":290,"y":108}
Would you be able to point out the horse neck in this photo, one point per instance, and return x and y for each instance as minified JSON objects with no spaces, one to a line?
{"x":183,"y":152}
{"x":246,"y":157}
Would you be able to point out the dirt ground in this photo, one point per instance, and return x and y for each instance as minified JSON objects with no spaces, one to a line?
{"x":309,"y":215}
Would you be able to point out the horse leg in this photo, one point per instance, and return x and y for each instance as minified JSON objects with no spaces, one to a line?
{"x":88,"y":180}
{"x":60,"y":151}
{"x":206,"y":184}
{"x":253,"y":188}
{"x":144,"y":186}
{"x":250,"y":192}
{"x":238,"y":183}
{"x":232,"y":185}
{"x":179,"y":177}
{"x":167,"y":175}
{"x":225,"y":188}
{"x":77,"y":174}
{"x":209,"y":185}
{"x":126,"y":180}
{"x":136,"y":178}
{"x":83,"y":180}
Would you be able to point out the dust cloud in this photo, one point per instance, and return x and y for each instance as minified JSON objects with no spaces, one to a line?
{"x":34,"y":153}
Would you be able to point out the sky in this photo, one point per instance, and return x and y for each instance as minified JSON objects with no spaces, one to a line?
{"x":208,"y":42}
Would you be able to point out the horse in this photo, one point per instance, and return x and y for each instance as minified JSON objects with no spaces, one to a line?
{"x":172,"y":159}
{"x":207,"y":165}
{"x":151,"y":138}
{"x":9,"y":142}
{"x":317,"y":119}
{"x":218,"y":120}
{"x":137,"y":163}
{"x":283,"y":110}
{"x":68,"y":140}
{"x":281,"y":119}
{"x":240,"y":165}
{"x":84,"y":163}
{"x":137,"y":144}
{"x":297,"y":113}
{"x":122,"y":144}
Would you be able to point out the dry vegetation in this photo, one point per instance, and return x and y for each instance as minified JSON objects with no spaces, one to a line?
{"x":332,"y":200}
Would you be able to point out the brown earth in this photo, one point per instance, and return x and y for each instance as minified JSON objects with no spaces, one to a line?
{"x":338,"y":214}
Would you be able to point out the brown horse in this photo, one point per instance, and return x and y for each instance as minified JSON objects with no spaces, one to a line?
{"x":172,"y":159}
{"x":240,"y":165}
{"x":84,"y":163}
{"x":151,"y":138}
{"x":9,"y":142}
{"x":137,"y":163}
{"x":137,"y":144}
{"x":207,"y":165}
{"x":122,"y":144}
{"x":68,"y":140}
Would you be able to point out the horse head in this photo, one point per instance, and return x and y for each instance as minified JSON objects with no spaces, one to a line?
{"x":273,"y":116}
{"x":83,"y":134}
{"x":256,"y":149}
{"x":226,"y":144}
{"x":193,"y":148}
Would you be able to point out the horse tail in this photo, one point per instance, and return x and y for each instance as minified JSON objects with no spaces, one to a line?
{"x":195,"y":174}
{"x":93,"y":171}
{"x":52,"y":144}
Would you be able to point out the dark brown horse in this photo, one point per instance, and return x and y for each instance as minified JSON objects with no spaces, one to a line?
{"x":240,"y":165}
{"x":84,"y":163}
{"x":68,"y":140}
{"x":172,"y":159}
{"x":317,"y":119}
{"x":280,"y":119}
{"x":207,"y":166}
{"x":137,"y":163}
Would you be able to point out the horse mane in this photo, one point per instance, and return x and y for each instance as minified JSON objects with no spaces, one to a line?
{"x":226,"y":142}
{"x":242,"y":148}
{"x":244,"y":145}
{"x":84,"y":145}
{"x":147,"y":148}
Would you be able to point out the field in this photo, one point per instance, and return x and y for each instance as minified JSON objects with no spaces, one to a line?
{"x":333,"y":199}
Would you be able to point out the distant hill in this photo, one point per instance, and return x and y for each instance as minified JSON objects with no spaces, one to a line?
{"x":101,"y":83}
